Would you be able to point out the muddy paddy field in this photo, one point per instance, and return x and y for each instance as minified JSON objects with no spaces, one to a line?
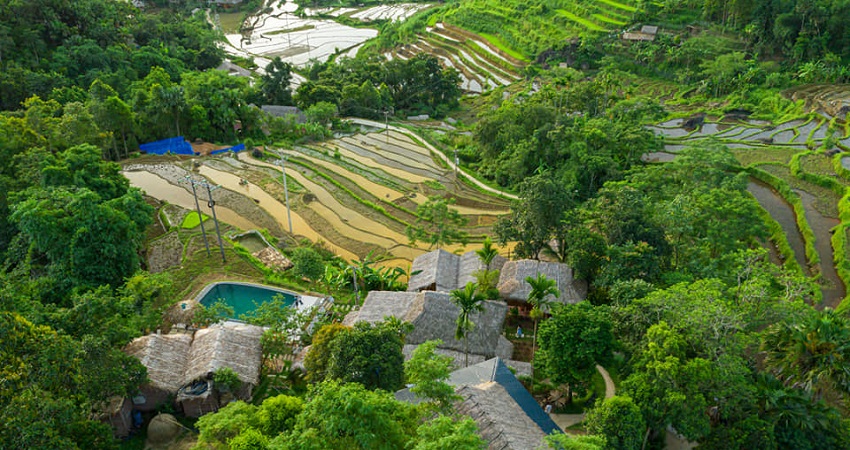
{"x":356,"y":194}
{"x":799,"y":175}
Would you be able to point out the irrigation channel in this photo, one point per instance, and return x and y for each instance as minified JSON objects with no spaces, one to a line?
{"x":357,"y":193}
{"x":771,"y":148}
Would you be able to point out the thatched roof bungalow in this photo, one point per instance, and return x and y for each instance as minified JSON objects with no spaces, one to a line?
{"x":507,"y":415}
{"x":433,"y":316}
{"x":176,"y":360}
{"x":230,"y":344}
{"x":442,"y":271}
{"x":164,"y":355}
{"x":513,"y":287}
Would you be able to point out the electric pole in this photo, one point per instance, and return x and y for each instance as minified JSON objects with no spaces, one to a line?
{"x":211,"y":204}
{"x":282,"y":162}
{"x":193,"y":182}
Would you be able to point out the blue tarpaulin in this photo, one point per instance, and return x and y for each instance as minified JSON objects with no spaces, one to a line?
{"x":235,"y":149}
{"x":176,"y":145}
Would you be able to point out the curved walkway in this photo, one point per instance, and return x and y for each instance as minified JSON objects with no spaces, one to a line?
{"x":565,"y":421}
{"x":441,"y":155}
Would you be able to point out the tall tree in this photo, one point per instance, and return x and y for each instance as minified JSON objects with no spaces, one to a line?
{"x":541,"y":288}
{"x":427,"y":372}
{"x":572,"y":342}
{"x":470,"y":301}
{"x":370,"y":355}
{"x":437,"y":224}
{"x":274,"y":84}
{"x":619,"y":420}
{"x":487,"y":252}
{"x":811,"y":352}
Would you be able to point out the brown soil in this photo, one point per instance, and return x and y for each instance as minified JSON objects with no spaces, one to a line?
{"x":165,"y":252}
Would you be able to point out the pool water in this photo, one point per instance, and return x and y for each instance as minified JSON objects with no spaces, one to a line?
{"x":243,"y":297}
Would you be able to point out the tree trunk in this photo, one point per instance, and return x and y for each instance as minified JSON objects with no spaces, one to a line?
{"x":533,"y":346}
{"x":569,"y":394}
{"x":466,"y":350}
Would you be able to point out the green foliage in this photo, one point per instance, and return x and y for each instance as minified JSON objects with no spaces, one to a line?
{"x":446,"y":432}
{"x":52,"y":382}
{"x":470,"y":301}
{"x":437,"y":224}
{"x":620,"y":421}
{"x":279,"y":414}
{"x":227,"y":423}
{"x":347,"y":415}
{"x":368,"y":87}
{"x":227,"y":379}
{"x":427,"y":372}
{"x":368,"y":354}
{"x":205,"y":316}
{"x":572,"y":342}
{"x":561,"y":441}
{"x":249,"y":439}
{"x":810,"y":352}
{"x":307,"y":263}
{"x":317,"y":360}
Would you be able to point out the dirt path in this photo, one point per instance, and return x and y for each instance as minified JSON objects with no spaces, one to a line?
{"x":565,"y":421}
{"x":371,"y":123}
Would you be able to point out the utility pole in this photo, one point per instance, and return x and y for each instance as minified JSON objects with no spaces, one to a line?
{"x":387,"y":124}
{"x":282,"y":162}
{"x":457,"y":162}
{"x":193,"y":182}
{"x":211,"y":204}
{"x":356,"y":288}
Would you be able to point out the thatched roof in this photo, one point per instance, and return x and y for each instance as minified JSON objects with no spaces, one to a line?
{"x":230,"y":344}
{"x":442,"y":271}
{"x":174,"y":360}
{"x":437,"y":271}
{"x":500,"y":420}
{"x":512,"y":284}
{"x":433,"y":316}
{"x":164,"y":356}
{"x":507,"y":415}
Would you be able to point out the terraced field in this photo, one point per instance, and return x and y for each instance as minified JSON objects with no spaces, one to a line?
{"x":357,"y":193}
{"x":799,"y":175}
{"x":481,"y":65}
{"x":532,"y":30}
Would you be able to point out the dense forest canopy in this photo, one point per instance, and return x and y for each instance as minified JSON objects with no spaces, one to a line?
{"x":711,"y":333}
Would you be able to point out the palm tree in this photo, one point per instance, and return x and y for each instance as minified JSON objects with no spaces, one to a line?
{"x":541,"y":288}
{"x":469,"y":301}
{"x":487,"y":252}
{"x":812,"y":352}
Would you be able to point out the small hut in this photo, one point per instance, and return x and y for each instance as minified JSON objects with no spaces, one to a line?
{"x":507,"y":415}
{"x":434,"y":316}
{"x":646,"y":33}
{"x":442,"y":271}
{"x":182,"y":365}
{"x":164,"y":355}
{"x":514,"y":289}
{"x":230,"y":344}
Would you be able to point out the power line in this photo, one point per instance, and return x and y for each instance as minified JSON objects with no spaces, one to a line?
{"x":211,"y":203}
{"x":193,"y":182}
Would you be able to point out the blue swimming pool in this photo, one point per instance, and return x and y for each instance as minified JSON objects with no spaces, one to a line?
{"x":242,"y":297}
